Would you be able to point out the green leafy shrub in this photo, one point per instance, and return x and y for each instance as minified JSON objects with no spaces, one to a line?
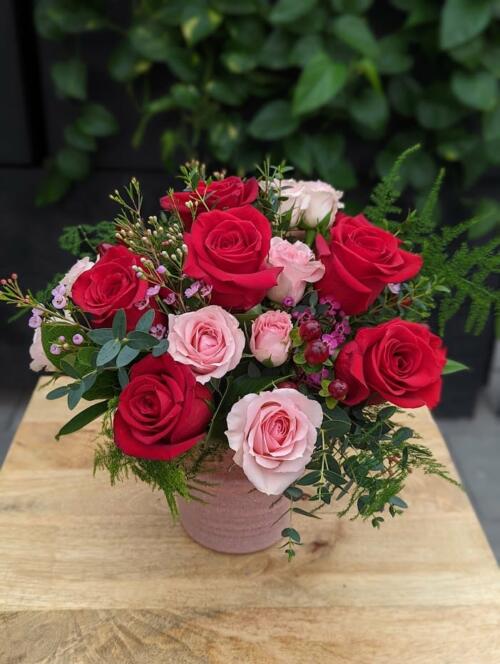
{"x":314,"y":81}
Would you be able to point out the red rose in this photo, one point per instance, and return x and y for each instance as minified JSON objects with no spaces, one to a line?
{"x":163,"y":411}
{"x":396,"y":361}
{"x":111,"y":284}
{"x":230,"y":192}
{"x":360,"y":260}
{"x":228,"y":250}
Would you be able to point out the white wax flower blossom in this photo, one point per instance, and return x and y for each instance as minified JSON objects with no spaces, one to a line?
{"x":309,"y":200}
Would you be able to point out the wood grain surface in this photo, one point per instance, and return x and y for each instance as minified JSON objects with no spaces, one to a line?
{"x":93,"y":573}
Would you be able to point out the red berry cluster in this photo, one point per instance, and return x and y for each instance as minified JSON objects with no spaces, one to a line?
{"x":316,"y":351}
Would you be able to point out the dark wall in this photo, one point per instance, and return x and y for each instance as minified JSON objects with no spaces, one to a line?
{"x":31,"y":122}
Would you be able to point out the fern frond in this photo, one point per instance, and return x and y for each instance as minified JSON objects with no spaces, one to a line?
{"x":386,"y":193}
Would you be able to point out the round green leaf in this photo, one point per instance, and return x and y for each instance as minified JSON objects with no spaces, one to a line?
{"x":370,"y":110}
{"x":274,"y":120}
{"x":477,"y":90}
{"x":462,"y":20}
{"x":70,"y":78}
{"x":198,"y":23}
{"x":286,"y":11}
{"x":356,"y":33}
{"x":96,"y":120}
{"x":77,"y":139}
{"x":73,"y":163}
{"x":52,"y":187}
{"x":319,"y":82}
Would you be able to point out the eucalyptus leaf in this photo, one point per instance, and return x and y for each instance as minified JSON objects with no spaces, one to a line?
{"x":83,"y":418}
{"x":145,"y":321}
{"x":108,"y":352}
{"x":126,"y":355}
{"x":119,"y":326}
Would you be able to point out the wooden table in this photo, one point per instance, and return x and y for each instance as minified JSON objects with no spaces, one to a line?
{"x":90,"y":573}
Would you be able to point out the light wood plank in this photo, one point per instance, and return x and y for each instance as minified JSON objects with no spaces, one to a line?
{"x":93,"y":573}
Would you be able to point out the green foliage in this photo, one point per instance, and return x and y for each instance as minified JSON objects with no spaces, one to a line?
{"x":291,"y":78}
{"x":169,"y":477}
{"x":363,"y":466}
{"x":84,"y":239}
{"x":455,"y":272}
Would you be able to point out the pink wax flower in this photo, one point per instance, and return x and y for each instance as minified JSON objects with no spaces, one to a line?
{"x":270,"y":341}
{"x":299,"y":269}
{"x":208,"y":340}
{"x":273,"y":436}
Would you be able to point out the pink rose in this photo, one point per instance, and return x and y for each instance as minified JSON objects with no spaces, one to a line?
{"x":39,"y":361}
{"x":299,"y":269}
{"x":75,"y":271}
{"x":310,"y":201}
{"x":270,"y":340}
{"x":273,"y":435}
{"x":209,"y":340}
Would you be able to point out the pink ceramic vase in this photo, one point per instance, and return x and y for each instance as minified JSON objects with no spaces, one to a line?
{"x":235,"y":517}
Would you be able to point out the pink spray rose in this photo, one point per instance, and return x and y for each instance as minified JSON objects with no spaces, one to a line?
{"x":299,"y":269}
{"x":209,"y":340}
{"x":273,"y":436}
{"x":270,"y":341}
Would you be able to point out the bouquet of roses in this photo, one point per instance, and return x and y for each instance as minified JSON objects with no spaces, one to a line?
{"x":256,"y":316}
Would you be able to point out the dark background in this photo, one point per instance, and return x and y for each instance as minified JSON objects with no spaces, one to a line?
{"x":31,"y":122}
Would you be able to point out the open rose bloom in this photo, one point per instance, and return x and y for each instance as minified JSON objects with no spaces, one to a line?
{"x":250,"y":334}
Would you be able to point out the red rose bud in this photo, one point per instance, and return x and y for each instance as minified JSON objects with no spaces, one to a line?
{"x":338,"y":389}
{"x":316,"y":352}
{"x":310,"y":330}
{"x":287,"y":384}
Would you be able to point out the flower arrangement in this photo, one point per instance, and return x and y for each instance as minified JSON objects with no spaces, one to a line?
{"x":256,"y":317}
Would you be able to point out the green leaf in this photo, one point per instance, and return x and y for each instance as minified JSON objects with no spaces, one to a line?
{"x":351,"y":6}
{"x":298,"y":510}
{"x":291,"y":533}
{"x":141,"y":340}
{"x":475,"y":89}
{"x":239,"y":61}
{"x":50,"y":335}
{"x":293,"y":493}
{"x":124,"y":63}
{"x":74,"y":164}
{"x":145,"y":321}
{"x":70,"y":78}
{"x":101,"y":335}
{"x":393,"y":56}
{"x":58,"y":392}
{"x":356,"y":33}
{"x":298,"y":150}
{"x":438,"y":113}
{"x":125,"y":356}
{"x":198,"y":23}
{"x":370,"y":110}
{"x":151,"y":40}
{"x":398,"y":502}
{"x":96,"y":120}
{"x":52,"y":187}
{"x":452,"y":366}
{"x":232,"y":92}
{"x":108,"y":352}
{"x":76,"y":139}
{"x":319,"y":82}
{"x":119,"y":325}
{"x":83,"y":418}
{"x":309,"y":478}
{"x":286,"y":11}
{"x":272,"y":121}
{"x":386,"y":413}
{"x":68,"y":368}
{"x":461,"y":20}
{"x":160,"y":348}
{"x":491,"y":124}
{"x":123,"y":377}
{"x":74,"y":395}
{"x":402,"y":434}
